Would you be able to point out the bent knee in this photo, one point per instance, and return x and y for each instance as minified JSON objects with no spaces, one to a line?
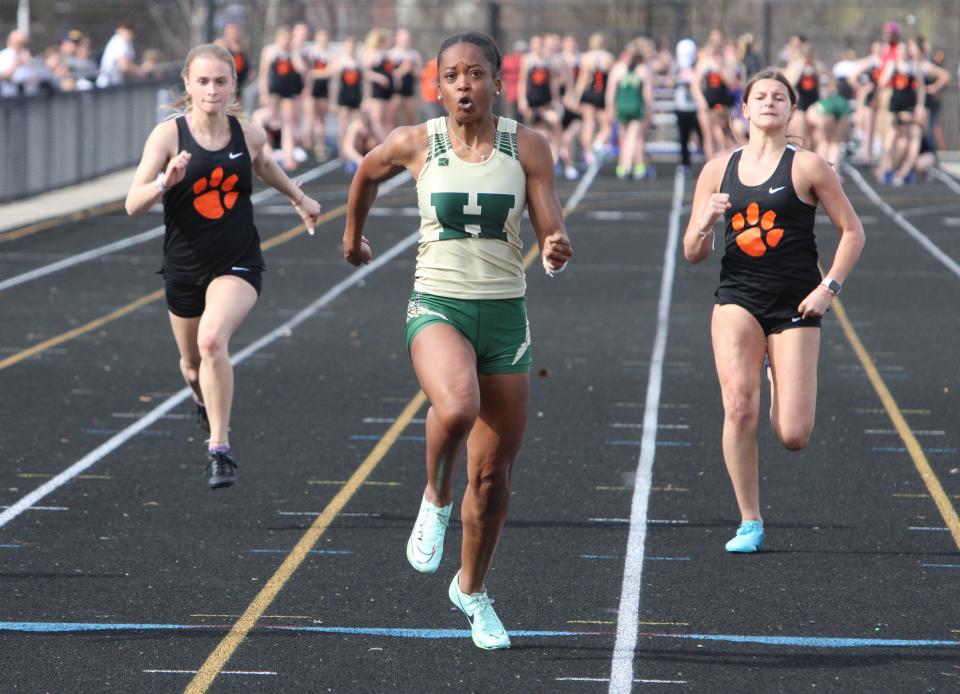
{"x":211,"y":345}
{"x":491,"y":486}
{"x":457,"y":416}
{"x":795,"y":440}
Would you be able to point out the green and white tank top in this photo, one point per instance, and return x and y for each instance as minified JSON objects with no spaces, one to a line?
{"x":470,"y":215}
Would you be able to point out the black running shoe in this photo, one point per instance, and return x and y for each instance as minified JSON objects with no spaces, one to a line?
{"x":202,"y":421}
{"x":222,"y":469}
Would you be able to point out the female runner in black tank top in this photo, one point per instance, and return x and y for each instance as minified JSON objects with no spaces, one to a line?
{"x":378,"y":75}
{"x":907,"y":105}
{"x":202,"y":164}
{"x":281,"y":81}
{"x":770,"y":297}
{"x":321,"y":68}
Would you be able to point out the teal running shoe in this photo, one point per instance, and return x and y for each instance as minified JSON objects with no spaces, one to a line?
{"x":749,"y":537}
{"x":425,"y":546}
{"x":486,"y":629}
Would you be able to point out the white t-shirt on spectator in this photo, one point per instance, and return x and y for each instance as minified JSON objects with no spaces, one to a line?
{"x":116,"y":49}
{"x":10,"y":87}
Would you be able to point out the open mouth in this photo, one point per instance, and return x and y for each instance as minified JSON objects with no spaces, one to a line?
{"x":465,"y":102}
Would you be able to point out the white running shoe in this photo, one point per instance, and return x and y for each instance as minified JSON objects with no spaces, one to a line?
{"x":425,"y":546}
{"x":485,"y":627}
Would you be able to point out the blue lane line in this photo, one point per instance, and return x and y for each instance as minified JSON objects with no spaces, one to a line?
{"x":812,"y":641}
{"x":668,"y":558}
{"x":377,"y":437}
{"x":10,"y":546}
{"x":425,"y":633}
{"x":69,"y":627}
{"x":664,"y":444}
{"x":312,"y":551}
{"x":945,"y":566}
{"x":804,"y":641}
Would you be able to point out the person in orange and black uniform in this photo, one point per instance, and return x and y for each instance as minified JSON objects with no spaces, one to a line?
{"x":281,"y":82}
{"x":202,"y":165}
{"x":572,"y":121}
{"x":591,"y":92}
{"x":235,"y":42}
{"x":349,"y":84}
{"x":804,"y":72}
{"x":771,"y":297}
{"x":320,"y":62}
{"x":538,"y":93}
{"x":408,"y":65}
{"x":378,"y":77}
{"x":901,"y":145}
{"x":713,"y":92}
{"x":864,"y":78}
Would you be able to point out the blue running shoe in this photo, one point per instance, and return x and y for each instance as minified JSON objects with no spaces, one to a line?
{"x":749,"y":537}
{"x":486,"y":629}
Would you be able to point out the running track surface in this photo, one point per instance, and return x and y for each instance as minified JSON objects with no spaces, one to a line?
{"x":127,"y":574}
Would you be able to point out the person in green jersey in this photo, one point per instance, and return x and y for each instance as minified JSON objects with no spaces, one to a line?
{"x":629,"y":91}
{"x":467,"y":331}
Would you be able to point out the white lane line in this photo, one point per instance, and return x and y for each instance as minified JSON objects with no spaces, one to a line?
{"x":140,"y":238}
{"x":902,"y":222}
{"x":945,"y":178}
{"x":628,"y":614}
{"x":283,"y":331}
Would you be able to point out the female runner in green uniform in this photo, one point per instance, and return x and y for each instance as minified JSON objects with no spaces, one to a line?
{"x":467,"y":331}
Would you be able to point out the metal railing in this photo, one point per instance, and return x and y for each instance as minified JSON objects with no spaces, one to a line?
{"x":51,"y":141}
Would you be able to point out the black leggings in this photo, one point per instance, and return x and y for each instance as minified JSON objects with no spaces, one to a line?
{"x":687,"y":123}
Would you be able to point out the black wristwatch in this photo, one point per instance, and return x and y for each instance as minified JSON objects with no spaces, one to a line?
{"x":832,"y":285}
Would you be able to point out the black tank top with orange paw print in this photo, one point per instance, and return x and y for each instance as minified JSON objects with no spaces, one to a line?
{"x":770,"y":252}
{"x":208,"y":215}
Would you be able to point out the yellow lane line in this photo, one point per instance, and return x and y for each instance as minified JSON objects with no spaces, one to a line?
{"x":81,"y":330}
{"x":223,"y":652}
{"x":147,"y":299}
{"x":914,"y":448}
{"x":62,"y":219}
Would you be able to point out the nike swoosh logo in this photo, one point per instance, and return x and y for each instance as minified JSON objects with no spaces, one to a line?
{"x":433,"y":551}
{"x":771,"y":190}
{"x":240,"y":269}
{"x":796,"y":319}
{"x":234,"y":155}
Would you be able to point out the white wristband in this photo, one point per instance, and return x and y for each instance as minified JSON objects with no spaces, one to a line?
{"x":551,"y":271}
{"x":160,"y":176}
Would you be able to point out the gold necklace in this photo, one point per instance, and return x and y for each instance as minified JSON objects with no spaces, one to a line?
{"x":483,"y":157}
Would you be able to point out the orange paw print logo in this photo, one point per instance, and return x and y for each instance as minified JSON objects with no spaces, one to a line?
{"x":208,"y":203}
{"x":755,"y":240}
